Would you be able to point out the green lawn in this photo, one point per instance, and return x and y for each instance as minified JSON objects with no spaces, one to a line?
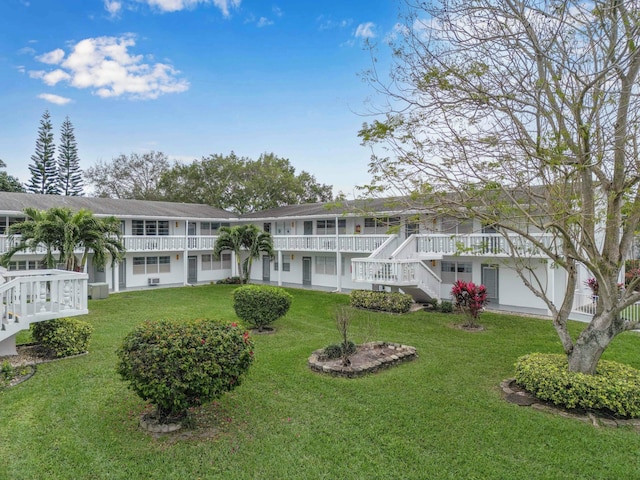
{"x":441,"y":416}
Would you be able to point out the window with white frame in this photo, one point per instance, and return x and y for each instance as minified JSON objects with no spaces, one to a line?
{"x":207,"y":262}
{"x":26,"y":265}
{"x":326,"y":265}
{"x":205,"y":229}
{"x":452,"y":271}
{"x":150,"y":227}
{"x":151,"y":264}
{"x":286,"y":266}
{"x":164,"y":264}
{"x":328,"y":227}
{"x":380,"y":224}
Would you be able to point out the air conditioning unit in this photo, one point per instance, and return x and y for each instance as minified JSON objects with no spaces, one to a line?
{"x":154,"y":281}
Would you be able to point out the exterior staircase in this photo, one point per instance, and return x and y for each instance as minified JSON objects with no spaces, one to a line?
{"x":400,"y":267}
{"x":36,"y":295}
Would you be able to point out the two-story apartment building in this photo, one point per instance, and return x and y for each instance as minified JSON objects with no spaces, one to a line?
{"x":316,"y":246}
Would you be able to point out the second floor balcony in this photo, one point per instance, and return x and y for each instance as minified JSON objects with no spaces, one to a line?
{"x":481,"y":244}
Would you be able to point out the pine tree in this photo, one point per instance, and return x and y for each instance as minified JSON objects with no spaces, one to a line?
{"x":44,"y":174}
{"x":69,"y":173}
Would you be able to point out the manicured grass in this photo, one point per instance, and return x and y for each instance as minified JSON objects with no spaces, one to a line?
{"x":441,"y":416}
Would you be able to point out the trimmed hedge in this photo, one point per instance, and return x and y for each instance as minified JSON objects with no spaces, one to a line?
{"x":614,"y":388}
{"x":62,"y":337}
{"x":260,"y":305}
{"x":393,"y":302}
{"x":179,"y":365}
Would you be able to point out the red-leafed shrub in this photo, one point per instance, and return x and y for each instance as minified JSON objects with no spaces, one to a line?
{"x":469,"y":299}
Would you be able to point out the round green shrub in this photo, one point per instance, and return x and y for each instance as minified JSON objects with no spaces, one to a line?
{"x":446,"y":306}
{"x":615,"y":388}
{"x":333,"y":351}
{"x":62,"y":337}
{"x":260,"y":305}
{"x":179,"y":365}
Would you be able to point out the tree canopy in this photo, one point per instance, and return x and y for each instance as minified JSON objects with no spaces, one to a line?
{"x":241,"y":184}
{"x":134,"y":176}
{"x":44,"y":174}
{"x":524,"y":115}
{"x":9,"y":183}
{"x":69,"y":173}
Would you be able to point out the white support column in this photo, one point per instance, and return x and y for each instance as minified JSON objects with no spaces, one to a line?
{"x":115,"y":275}
{"x":338,"y":260}
{"x":279,"y":268}
{"x":234,"y":265}
{"x":185,"y":254}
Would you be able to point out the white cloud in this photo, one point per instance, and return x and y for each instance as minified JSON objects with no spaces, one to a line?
{"x":177,"y":5}
{"x":277,"y":11}
{"x":105,"y":65}
{"x":53,"y":57}
{"x":50,"y":78}
{"x":27,"y":51}
{"x":113,"y":7}
{"x":330,"y":24}
{"x":264,"y":22}
{"x":365,"y":30}
{"x":57,"y":99}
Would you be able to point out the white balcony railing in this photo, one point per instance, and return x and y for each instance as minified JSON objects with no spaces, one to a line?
{"x":489,"y":244}
{"x":385,"y":272}
{"x":328,"y":243}
{"x":587,"y":303}
{"x":434,"y":243}
{"x":160,"y":243}
{"x":30,"y":296}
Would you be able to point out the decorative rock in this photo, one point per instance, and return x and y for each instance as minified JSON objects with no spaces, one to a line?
{"x":152,"y":425}
{"x":515,"y":394}
{"x":378,"y":355}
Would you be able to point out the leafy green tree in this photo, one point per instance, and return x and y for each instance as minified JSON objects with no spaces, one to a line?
{"x":69,"y":173}
{"x":242,"y":185}
{"x":61,"y":231}
{"x":44,"y":174}
{"x":524,"y":114}
{"x":134,"y":176}
{"x":9,"y":183}
{"x":240,"y":238}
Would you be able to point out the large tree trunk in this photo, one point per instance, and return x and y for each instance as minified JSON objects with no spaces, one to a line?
{"x":586,"y":352}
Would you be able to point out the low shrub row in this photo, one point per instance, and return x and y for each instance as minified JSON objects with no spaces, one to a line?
{"x":393,"y":302}
{"x":615,"y":387}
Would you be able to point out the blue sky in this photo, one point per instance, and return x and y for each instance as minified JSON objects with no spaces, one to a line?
{"x":191,"y":78}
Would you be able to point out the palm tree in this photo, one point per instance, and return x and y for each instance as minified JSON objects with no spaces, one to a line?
{"x":255,"y":241}
{"x":242,"y":237}
{"x":60,"y":230}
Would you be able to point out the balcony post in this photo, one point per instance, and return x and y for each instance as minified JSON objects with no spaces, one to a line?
{"x":116,"y":277}
{"x":185,"y":254}
{"x":338,"y":260}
